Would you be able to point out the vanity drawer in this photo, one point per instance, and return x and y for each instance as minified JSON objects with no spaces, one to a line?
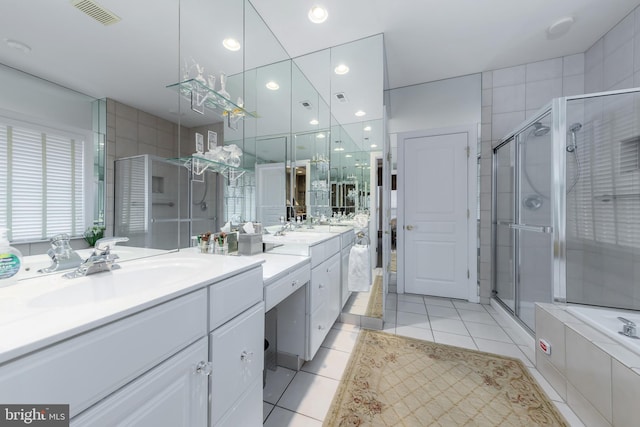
{"x":324,"y":250}
{"x":237,"y":350}
{"x":347,"y":239}
{"x":234,"y":295}
{"x":319,"y":287}
{"x":282,"y":288}
{"x":85,"y":369}
{"x":317,"y":254}
{"x":331,"y":246}
{"x":318,"y":329}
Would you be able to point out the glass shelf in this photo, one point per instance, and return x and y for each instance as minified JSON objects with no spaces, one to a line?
{"x":203,"y":96}
{"x":199,"y":165}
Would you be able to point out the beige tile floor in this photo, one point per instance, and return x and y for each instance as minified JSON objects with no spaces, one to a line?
{"x":302,"y":399}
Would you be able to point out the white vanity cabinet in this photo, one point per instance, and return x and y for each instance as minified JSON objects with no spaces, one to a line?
{"x":348,"y":240}
{"x":324,"y":292}
{"x":236,"y":350}
{"x":172,"y":394}
{"x":193,"y":359}
{"x":87,"y":368}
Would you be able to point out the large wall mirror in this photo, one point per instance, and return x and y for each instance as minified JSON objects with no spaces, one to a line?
{"x":142,"y":94}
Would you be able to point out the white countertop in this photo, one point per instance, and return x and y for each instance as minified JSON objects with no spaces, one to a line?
{"x":277,"y":265}
{"x":39,"y":311}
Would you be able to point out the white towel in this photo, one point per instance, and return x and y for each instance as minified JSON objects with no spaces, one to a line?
{"x":359,"y":269}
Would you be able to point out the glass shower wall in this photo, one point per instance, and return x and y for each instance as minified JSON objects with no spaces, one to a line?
{"x":566,"y":210}
{"x":533,"y":229}
{"x":603,"y":200}
{"x":504,"y":164}
{"x":523,"y":217}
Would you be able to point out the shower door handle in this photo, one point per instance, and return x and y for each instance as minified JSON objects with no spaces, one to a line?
{"x":535,"y":228}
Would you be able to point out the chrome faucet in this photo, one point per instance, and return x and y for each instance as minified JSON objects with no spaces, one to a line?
{"x":100,"y":260}
{"x":63,"y":257}
{"x":285,"y":225}
{"x":628,"y":329}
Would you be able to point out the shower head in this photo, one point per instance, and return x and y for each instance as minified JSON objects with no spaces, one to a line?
{"x":575,"y":127}
{"x":540,"y":129}
{"x":571,"y":147}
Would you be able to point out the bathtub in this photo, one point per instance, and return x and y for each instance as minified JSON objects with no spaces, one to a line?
{"x":606,"y":321}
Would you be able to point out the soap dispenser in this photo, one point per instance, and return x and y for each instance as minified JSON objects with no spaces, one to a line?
{"x":10,"y":260}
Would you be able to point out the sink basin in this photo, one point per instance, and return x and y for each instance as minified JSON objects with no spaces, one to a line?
{"x":131,"y":278}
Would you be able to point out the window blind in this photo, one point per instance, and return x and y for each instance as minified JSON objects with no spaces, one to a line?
{"x":41,"y":182}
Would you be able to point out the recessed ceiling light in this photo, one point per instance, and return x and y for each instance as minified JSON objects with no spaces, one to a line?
{"x":314,"y":122}
{"x":272,"y":85}
{"x":320,"y":135}
{"x":373,"y":145}
{"x":560,"y":27}
{"x":18,"y":45}
{"x":338,"y":149}
{"x":341,"y":69}
{"x":348,"y":155}
{"x":367,"y":128}
{"x":318,"y":14}
{"x":360,"y":113}
{"x":231,"y":44}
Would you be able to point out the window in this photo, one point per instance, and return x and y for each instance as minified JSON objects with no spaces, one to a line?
{"x":42,"y":181}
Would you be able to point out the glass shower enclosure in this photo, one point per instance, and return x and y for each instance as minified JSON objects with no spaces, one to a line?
{"x":566,"y":206}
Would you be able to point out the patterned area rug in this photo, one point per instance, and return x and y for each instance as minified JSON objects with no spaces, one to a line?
{"x":374,"y":307}
{"x":398,"y":381}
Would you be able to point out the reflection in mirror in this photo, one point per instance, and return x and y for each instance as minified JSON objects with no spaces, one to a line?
{"x":52,"y":147}
{"x":271,"y":179}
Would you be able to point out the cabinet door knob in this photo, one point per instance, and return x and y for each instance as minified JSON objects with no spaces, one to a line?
{"x":320,"y":327}
{"x":294,"y":283}
{"x":320,"y":286}
{"x":204,"y":368}
{"x":246,"y":356}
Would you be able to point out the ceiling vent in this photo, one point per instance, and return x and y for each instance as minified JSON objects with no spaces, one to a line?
{"x":97,"y":12}
{"x":306,"y":104}
{"x":341,"y":97}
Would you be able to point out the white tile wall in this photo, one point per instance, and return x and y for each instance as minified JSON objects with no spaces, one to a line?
{"x":594,"y":384}
{"x":602,"y":385}
{"x":626,"y":395}
{"x":613,"y":62}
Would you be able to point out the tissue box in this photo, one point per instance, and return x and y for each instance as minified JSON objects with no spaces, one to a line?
{"x":232,"y":241}
{"x":249,"y":244}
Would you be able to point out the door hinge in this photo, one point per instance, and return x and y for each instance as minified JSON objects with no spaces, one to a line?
{"x":468,"y":274}
{"x":468,"y":213}
{"x":468,"y":151}
{"x":388,"y":157}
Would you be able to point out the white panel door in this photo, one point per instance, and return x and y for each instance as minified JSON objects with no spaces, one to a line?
{"x":271,"y":200}
{"x":435,"y":215}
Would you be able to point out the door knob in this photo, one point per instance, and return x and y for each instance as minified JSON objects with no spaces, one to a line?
{"x":409,"y":227}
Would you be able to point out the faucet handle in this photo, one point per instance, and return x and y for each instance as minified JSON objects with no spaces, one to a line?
{"x":626,"y":322}
{"x":59,"y":240}
{"x":105,"y":244}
